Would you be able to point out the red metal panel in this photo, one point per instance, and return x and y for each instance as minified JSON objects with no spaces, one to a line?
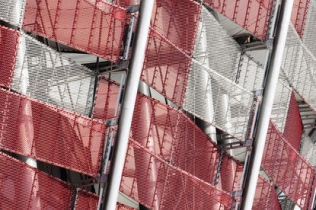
{"x":95,"y":27}
{"x":50,"y":134}
{"x":9,"y":40}
{"x":166,"y":68}
{"x":287,"y":168}
{"x":252,"y":15}
{"x":230,"y":174}
{"x":265,"y":196}
{"x":23,"y":187}
{"x":299,"y":14}
{"x":173,"y":188}
{"x":86,"y":200}
{"x":120,"y":206}
{"x":293,"y":129}
{"x":177,"y":21}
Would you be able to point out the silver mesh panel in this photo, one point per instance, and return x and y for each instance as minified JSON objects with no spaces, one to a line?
{"x":308,"y":150}
{"x":299,"y":67}
{"x":12,"y":11}
{"x":310,"y":28}
{"x":215,"y":48}
{"x":218,"y":101}
{"x":44,"y":74}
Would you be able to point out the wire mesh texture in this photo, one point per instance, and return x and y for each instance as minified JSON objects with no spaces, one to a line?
{"x":9,"y":40}
{"x":299,"y":67}
{"x":44,"y":74}
{"x":215,"y":48}
{"x":177,"y":21}
{"x":95,"y":27}
{"x":166,"y":68}
{"x":287,"y":168}
{"x":293,"y":129}
{"x":308,"y":149}
{"x":299,"y":15}
{"x":265,"y":196}
{"x":230,"y":105}
{"x":12,"y":11}
{"x":86,"y":200}
{"x":252,"y":15}
{"x":50,"y":134}
{"x":23,"y":187}
{"x":309,"y":29}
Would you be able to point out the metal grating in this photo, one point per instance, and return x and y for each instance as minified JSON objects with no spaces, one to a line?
{"x":308,"y":149}
{"x":86,"y":200}
{"x":231,"y":103}
{"x":309,"y":29}
{"x":95,"y":27}
{"x":9,"y":40}
{"x":214,"y":47}
{"x":50,"y":134}
{"x":44,"y":74}
{"x":12,"y":11}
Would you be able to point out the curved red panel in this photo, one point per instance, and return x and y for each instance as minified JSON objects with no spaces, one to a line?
{"x":50,"y":134}
{"x":9,"y":41}
{"x":95,"y":27}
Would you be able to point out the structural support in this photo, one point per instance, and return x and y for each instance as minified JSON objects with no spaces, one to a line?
{"x":267,"y":102}
{"x":133,"y":77}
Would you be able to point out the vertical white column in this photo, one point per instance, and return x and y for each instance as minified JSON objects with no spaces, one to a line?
{"x":267,"y":103}
{"x":128,"y":104}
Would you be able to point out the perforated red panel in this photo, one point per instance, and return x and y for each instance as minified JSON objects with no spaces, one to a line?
{"x":265,"y":196}
{"x":86,"y":200}
{"x":172,"y":187}
{"x":177,"y":21}
{"x":293,"y":129}
{"x":120,"y":206}
{"x":166,"y":68}
{"x":252,"y":15}
{"x":95,"y":27}
{"x":287,"y":168}
{"x":106,"y":99}
{"x":230,"y":174}
{"x":299,"y":14}
{"x":23,"y":187}
{"x":9,"y":40}
{"x":50,"y":134}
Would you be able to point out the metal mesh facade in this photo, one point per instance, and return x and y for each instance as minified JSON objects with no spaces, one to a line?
{"x":12,"y":11}
{"x":50,"y":134}
{"x":94,"y":27}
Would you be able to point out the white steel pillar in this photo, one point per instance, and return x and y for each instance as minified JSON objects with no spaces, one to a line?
{"x":127,"y":109}
{"x":267,"y":103}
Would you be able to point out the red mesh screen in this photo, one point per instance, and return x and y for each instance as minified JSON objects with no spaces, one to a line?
{"x":50,"y":134}
{"x":86,"y":200}
{"x":293,"y":129}
{"x":171,"y":188}
{"x":126,"y":3}
{"x":284,"y":165}
{"x":177,"y":21}
{"x":95,"y":27}
{"x":23,"y":187}
{"x":299,"y":14}
{"x":252,"y":15}
{"x":230,"y":174}
{"x":166,"y":68}
{"x":120,"y":206}
{"x":265,"y":196}
{"x":9,"y":40}
{"x":106,"y":99}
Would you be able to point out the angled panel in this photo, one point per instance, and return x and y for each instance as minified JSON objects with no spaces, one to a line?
{"x":299,"y":15}
{"x":12,"y":11}
{"x":44,"y":74}
{"x":50,"y":134}
{"x":9,"y":41}
{"x":86,"y":200}
{"x":95,"y":27}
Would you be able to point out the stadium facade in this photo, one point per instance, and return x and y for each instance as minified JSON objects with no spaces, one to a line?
{"x":157,"y":104}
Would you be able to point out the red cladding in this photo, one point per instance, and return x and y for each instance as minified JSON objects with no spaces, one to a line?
{"x":92,"y":26}
{"x":50,"y":134}
{"x":9,"y":40}
{"x":299,"y":14}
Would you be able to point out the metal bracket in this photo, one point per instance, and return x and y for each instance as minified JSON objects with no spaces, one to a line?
{"x":237,"y":193}
{"x":248,"y":143}
{"x":133,"y":8}
{"x":88,"y":182}
{"x":111,"y":122}
{"x":129,"y":37}
{"x":123,"y":64}
{"x":269,"y":42}
{"x":257,"y":92}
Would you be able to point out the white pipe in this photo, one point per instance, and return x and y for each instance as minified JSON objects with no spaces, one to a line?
{"x":133,"y":77}
{"x":267,"y":103}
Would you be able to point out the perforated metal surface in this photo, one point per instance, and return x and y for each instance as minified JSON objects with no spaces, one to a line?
{"x":12,"y":11}
{"x":310,"y":29}
{"x":44,"y":74}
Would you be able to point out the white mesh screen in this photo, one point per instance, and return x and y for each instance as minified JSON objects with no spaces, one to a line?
{"x":12,"y":11}
{"x":44,"y":74}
